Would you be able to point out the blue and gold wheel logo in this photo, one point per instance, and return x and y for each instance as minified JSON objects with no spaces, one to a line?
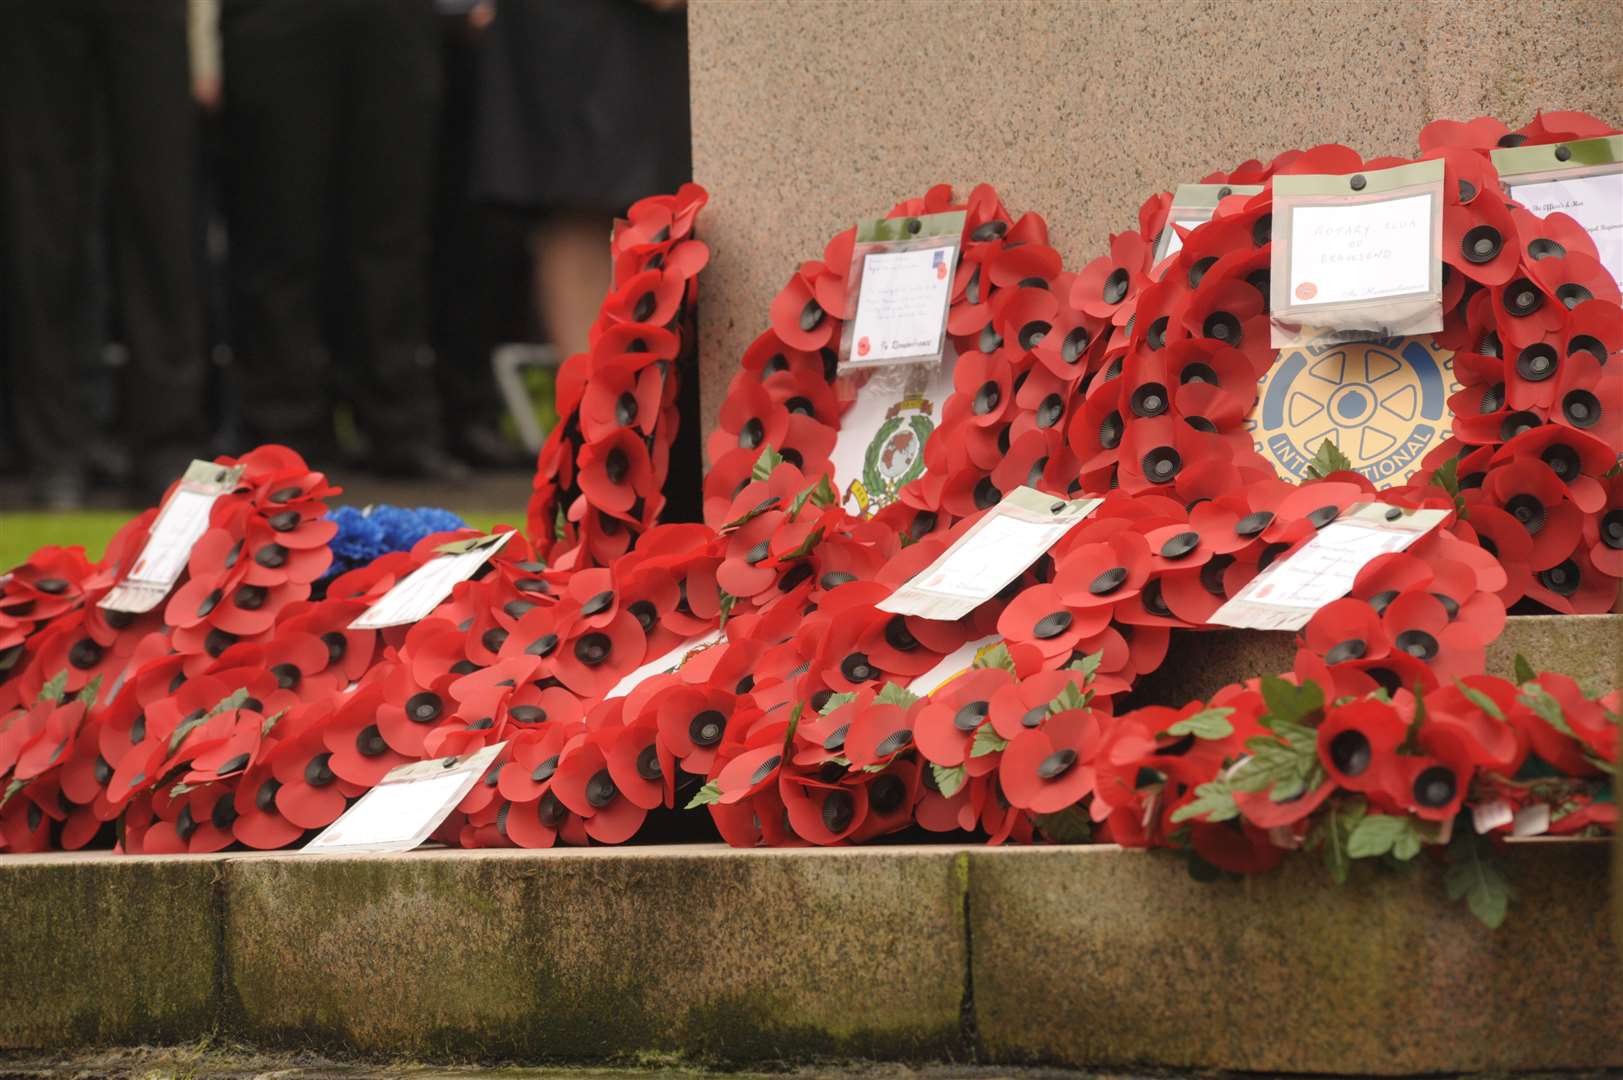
{"x":1384,"y":403}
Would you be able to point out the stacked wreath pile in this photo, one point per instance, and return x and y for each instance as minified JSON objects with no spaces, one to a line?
{"x":248,"y":712}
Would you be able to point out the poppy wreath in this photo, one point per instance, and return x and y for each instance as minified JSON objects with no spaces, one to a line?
{"x":600,"y":475}
{"x":819,"y":718}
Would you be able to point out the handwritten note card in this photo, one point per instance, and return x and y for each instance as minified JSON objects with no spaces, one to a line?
{"x":902,"y":309}
{"x":1361,"y":251}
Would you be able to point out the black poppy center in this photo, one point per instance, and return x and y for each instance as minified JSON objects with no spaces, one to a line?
{"x":424,"y":708}
{"x":85,"y":654}
{"x":1435,"y":787}
{"x":1149,"y":400}
{"x":706,"y":728}
{"x":1076,"y":343}
{"x":1180,"y":545}
{"x":1562,"y":579}
{"x":751,"y":434}
{"x":1108,"y":581}
{"x":1111,"y":429}
{"x":839,"y":808}
{"x":1057,"y":764}
{"x":648,"y":763}
{"x":1351,"y":649}
{"x":369,"y":741}
{"x":543,"y":645}
{"x":1222,"y":326}
{"x":1161,"y":465}
{"x":1481,"y":244}
{"x":1051,"y":625}
{"x":318,"y":773}
{"x":593,"y":649}
{"x":271,"y":556}
{"x":894,"y":742}
{"x":856,"y":668}
{"x":1536,"y":362}
{"x":1351,"y":753}
{"x":1418,"y":644}
{"x":1115,"y":287}
{"x":1528,"y":510}
{"x":987,"y":398}
{"x":1581,"y":408}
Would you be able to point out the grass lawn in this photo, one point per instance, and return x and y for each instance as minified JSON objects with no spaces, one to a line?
{"x":21,"y":534}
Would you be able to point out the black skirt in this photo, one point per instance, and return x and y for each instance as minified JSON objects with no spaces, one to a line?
{"x":584,"y":105}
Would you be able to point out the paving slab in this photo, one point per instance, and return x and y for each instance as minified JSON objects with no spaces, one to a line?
{"x":102,"y":950}
{"x":1099,"y":956}
{"x":699,"y":951}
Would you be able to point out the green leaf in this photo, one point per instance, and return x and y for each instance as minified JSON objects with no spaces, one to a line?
{"x":1381,"y":834}
{"x":997,"y":656}
{"x":821,"y":494}
{"x":986,"y":742}
{"x":1480,"y":700}
{"x":891,"y":694}
{"x":1206,"y":724}
{"x":1473,"y":874}
{"x":270,"y":722}
{"x":89,"y":693}
{"x":1071,"y":697}
{"x":705,"y":796}
{"x":1067,"y":826}
{"x":834,"y":702}
{"x":12,"y":789}
{"x":1447,"y":476}
{"x":1524,"y":671}
{"x":1328,"y":460}
{"x":727,"y":601}
{"x":805,"y":547}
{"x":53,"y":690}
{"x":769,"y":503}
{"x":230,"y":703}
{"x":1339,"y":824}
{"x":794,"y":725}
{"x":1285,"y":766}
{"x":1088,"y":665}
{"x":1289,"y":702}
{"x":1548,"y":709}
{"x":770,"y":459}
{"x":1213,"y":801}
{"x":948,"y":781}
{"x":560,"y":524}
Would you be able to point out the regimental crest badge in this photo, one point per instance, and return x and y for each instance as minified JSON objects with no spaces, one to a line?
{"x":894,"y":456}
{"x":1384,"y":403}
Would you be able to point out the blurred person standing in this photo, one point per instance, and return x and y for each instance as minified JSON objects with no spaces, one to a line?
{"x":69,"y":68}
{"x":585,"y":111}
{"x":330,"y":111}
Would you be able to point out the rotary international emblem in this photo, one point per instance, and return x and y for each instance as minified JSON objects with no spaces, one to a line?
{"x":1384,"y":404}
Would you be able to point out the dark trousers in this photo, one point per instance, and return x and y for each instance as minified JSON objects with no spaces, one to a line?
{"x":62,"y":63}
{"x":330,"y":113}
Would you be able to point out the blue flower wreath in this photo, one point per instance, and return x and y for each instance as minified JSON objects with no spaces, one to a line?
{"x":363,"y":535}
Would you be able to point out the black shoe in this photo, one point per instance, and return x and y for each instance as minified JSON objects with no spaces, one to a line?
{"x":61,"y":488}
{"x":420,"y":463}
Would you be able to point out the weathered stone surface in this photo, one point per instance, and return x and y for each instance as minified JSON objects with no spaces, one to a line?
{"x":1200,"y":662}
{"x":1103,"y":957}
{"x":702,"y":952}
{"x":1086,"y":125}
{"x":97,"y":950}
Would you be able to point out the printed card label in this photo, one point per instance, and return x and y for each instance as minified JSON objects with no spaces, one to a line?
{"x":422,"y":590}
{"x":992,"y":553}
{"x":406,"y":807}
{"x":1361,"y":251}
{"x":179,"y":526}
{"x":902,"y":305}
{"x":1595,"y":202}
{"x":1287,"y":594}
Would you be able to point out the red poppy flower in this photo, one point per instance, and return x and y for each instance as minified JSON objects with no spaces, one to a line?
{"x":797,"y":317}
{"x":1111,"y":281}
{"x":311,"y":795}
{"x":1100,"y":574}
{"x":1049,"y":768}
{"x":1358,"y":744}
{"x":1532,"y":493}
{"x":1345,"y":630}
{"x":1237,"y":847}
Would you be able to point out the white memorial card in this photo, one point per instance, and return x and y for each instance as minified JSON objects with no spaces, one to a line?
{"x":902,"y":305}
{"x":1288,"y":593}
{"x":1361,"y":251}
{"x":179,"y":526}
{"x":422,"y":590}
{"x":665,"y":663}
{"x":406,"y":807}
{"x":993,"y":552}
{"x":1594,"y":201}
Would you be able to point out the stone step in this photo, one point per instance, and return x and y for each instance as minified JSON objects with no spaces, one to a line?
{"x":1083,"y":957}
